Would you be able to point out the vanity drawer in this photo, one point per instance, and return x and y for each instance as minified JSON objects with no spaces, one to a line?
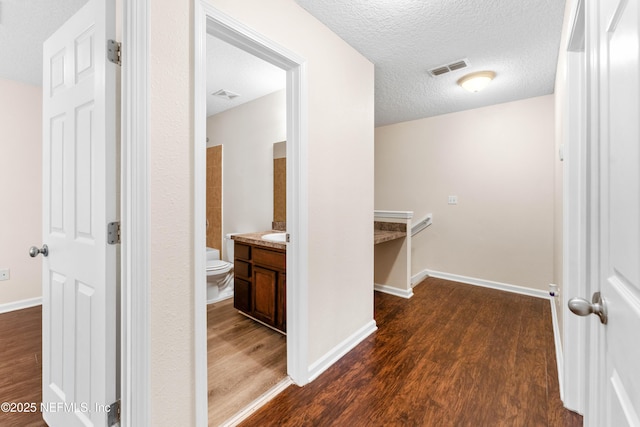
{"x":242,"y":251}
{"x":270,"y":258}
{"x":242,"y":268}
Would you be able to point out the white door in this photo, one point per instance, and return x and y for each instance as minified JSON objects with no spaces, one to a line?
{"x":79,"y":199}
{"x":614,"y":399}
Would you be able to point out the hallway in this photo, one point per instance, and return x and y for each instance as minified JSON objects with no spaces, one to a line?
{"x":453,"y":355}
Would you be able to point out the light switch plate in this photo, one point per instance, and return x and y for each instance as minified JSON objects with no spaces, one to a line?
{"x":453,"y":200}
{"x":4,"y":274}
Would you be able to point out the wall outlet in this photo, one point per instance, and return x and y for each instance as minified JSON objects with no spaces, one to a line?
{"x":453,"y":200}
{"x":4,"y":274}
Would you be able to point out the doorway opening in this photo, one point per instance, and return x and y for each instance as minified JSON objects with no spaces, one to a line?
{"x":209,"y":22}
{"x":246,"y":117}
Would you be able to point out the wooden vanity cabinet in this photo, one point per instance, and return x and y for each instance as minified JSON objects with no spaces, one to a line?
{"x":242,"y":278}
{"x":281,"y":314}
{"x":265,"y":286}
{"x":260,"y":283}
{"x":242,"y":295}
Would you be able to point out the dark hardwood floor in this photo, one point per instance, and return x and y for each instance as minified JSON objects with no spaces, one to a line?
{"x":453,"y":355}
{"x":21,"y":365}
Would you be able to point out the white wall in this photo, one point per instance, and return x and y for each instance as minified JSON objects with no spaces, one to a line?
{"x":340,"y":192}
{"x":499,"y":161}
{"x":21,"y":189}
{"x":247,"y":133}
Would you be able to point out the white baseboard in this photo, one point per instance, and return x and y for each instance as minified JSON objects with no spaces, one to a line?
{"x":418,"y":278}
{"x":19,"y":305}
{"x":218,"y":299}
{"x":404,"y":293}
{"x":252,"y":407}
{"x":558,"y":344}
{"x":340,"y":350}
{"x":488,"y":284}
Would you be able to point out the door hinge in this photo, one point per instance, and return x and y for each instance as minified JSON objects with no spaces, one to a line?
{"x":114,"y":51}
{"x":113,"y":416}
{"x":113,"y":233}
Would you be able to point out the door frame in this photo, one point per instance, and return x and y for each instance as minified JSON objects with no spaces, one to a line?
{"x":134,"y":210}
{"x":575,"y":212}
{"x":584,"y":343}
{"x":210,"y":20}
{"x":594,"y":347}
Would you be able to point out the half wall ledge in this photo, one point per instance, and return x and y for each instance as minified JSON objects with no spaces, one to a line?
{"x":392,"y":252}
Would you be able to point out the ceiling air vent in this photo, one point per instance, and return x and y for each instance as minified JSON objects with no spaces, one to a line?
{"x":444,"y":69}
{"x":458,"y":65}
{"x":225,"y":94}
{"x":438,"y":71}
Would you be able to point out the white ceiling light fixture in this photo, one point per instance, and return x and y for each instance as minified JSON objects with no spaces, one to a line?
{"x":475,"y":82}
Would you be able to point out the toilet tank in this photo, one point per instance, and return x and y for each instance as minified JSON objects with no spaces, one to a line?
{"x":212,"y":254}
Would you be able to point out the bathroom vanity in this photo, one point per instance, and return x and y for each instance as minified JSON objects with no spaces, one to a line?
{"x":260,"y":279}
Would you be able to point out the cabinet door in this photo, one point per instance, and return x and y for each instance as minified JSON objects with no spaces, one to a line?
{"x":281,"y":308}
{"x":242,"y":295}
{"x":265,"y":284}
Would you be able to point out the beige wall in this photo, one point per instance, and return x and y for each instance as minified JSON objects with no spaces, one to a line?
{"x":340,"y":192}
{"x":171,"y":213}
{"x":340,"y":167}
{"x":21,"y":189}
{"x":499,"y":161}
{"x":248,"y":133}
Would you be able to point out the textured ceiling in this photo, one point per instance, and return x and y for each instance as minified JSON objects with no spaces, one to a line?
{"x":519,"y":40}
{"x":24,"y":26}
{"x":232,"y":69}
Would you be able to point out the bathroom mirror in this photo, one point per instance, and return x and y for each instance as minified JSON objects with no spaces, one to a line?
{"x":280,"y":184}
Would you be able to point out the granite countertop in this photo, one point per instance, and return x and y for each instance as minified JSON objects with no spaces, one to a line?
{"x":381,"y":236}
{"x":386,"y":231}
{"x":257,"y":240}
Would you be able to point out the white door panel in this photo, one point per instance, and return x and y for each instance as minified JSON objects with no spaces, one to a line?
{"x":619,"y":214}
{"x":622,"y":380}
{"x":79,"y":199}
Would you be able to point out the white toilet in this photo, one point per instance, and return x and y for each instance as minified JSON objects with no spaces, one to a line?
{"x":220,"y":273}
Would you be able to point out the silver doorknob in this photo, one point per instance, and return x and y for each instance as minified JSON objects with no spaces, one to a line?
{"x":582,"y":307}
{"x":34,"y":251}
